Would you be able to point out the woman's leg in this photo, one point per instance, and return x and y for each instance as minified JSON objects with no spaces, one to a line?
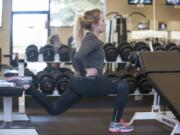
{"x":121,"y":88}
{"x":104,"y":87}
{"x":64,"y":102}
{"x":120,"y":101}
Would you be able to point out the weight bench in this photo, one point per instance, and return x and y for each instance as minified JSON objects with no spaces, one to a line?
{"x":7,"y":93}
{"x":163,"y":72}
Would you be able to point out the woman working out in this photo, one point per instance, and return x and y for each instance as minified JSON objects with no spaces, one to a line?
{"x":89,"y":81}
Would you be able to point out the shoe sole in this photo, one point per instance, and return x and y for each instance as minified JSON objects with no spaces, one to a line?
{"x":120,"y":131}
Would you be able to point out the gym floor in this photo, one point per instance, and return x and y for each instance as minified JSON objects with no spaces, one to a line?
{"x":89,"y":117}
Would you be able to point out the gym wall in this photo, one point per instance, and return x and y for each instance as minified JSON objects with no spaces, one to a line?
{"x":5,"y":30}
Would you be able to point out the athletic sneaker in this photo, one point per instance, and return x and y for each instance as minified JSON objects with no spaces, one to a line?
{"x":122,"y":121}
{"x":120,"y":128}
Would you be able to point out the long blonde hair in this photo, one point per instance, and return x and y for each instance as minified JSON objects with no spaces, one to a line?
{"x":84,"y":23}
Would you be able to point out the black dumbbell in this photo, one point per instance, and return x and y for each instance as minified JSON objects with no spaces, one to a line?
{"x":158,"y":47}
{"x":62,"y":83}
{"x":32,"y":53}
{"x":141,"y":46}
{"x":48,"y":53}
{"x":62,"y":80}
{"x":47,"y":83}
{"x":111,"y":52}
{"x":124,"y":50}
{"x":172,"y":47}
{"x":169,"y":45}
{"x":55,"y":72}
{"x":64,"y":53}
{"x":143,"y":84}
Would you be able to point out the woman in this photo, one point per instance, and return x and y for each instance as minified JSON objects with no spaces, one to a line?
{"x":89,"y":81}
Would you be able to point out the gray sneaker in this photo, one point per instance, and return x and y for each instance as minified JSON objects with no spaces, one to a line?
{"x":120,"y":128}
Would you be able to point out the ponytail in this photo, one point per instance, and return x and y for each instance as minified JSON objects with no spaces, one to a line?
{"x":78,"y":32}
{"x":85,"y":23}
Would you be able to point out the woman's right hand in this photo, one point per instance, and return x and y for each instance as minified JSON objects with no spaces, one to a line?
{"x":91,"y":72}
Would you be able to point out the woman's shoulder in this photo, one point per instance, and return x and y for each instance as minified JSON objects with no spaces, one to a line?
{"x":92,"y":39}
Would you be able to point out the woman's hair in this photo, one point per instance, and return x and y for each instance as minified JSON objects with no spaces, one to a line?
{"x":85,"y":23}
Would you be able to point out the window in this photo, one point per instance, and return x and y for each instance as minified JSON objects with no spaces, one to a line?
{"x":30,"y":25}
{"x":1,"y":3}
{"x":30,"y":5}
{"x":63,"y":12}
{"x":28,"y":31}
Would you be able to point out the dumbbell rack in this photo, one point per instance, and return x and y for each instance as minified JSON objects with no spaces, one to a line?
{"x":56,"y":60}
{"x":21,"y":73}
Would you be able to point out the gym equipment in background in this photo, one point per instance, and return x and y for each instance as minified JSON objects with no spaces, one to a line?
{"x":143,"y":84}
{"x":62,"y":80}
{"x":121,"y":29}
{"x":172,"y":47}
{"x":64,"y":53}
{"x":158,"y":47}
{"x":48,"y":53}
{"x":32,"y":53}
{"x":109,"y":48}
{"x":47,"y":82}
{"x":125,"y":51}
{"x":141,"y":46}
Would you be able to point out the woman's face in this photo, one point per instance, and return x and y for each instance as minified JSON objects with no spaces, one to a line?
{"x":100,"y":27}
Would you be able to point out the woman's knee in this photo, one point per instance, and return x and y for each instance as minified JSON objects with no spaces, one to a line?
{"x":122,"y":87}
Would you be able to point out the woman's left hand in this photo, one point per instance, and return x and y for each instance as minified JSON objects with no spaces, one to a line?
{"x":91,"y":72}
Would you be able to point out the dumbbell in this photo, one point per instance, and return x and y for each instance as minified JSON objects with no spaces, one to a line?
{"x":55,"y":72}
{"x":111,"y":52}
{"x":64,"y":53}
{"x":158,"y":47}
{"x":62,"y":80}
{"x":138,"y":46}
{"x":47,"y":83}
{"x":124,"y":50}
{"x":172,"y":47}
{"x":62,"y":83}
{"x":143,"y":84}
{"x":48,"y":53}
{"x":32,"y":53}
{"x":141,"y":46}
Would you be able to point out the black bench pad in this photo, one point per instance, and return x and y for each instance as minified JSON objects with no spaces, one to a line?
{"x":11,"y":91}
{"x":156,"y":62}
{"x":167,"y":85}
